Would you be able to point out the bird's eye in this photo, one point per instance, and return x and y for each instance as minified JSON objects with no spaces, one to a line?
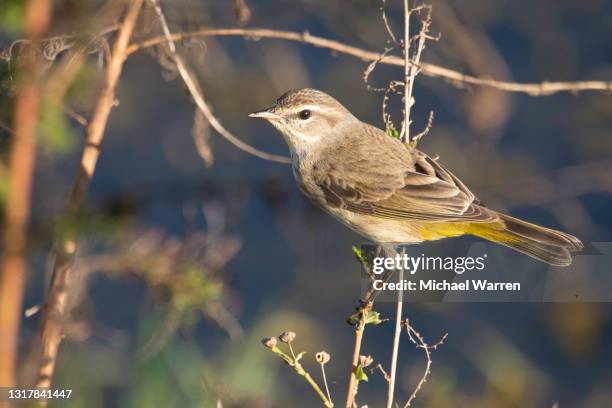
{"x":304,"y":114}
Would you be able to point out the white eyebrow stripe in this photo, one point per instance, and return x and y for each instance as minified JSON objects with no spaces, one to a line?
{"x":313,"y":108}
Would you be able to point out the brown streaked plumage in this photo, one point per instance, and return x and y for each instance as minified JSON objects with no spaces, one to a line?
{"x":388,"y":191}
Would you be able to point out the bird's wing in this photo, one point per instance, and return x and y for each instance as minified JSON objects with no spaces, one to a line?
{"x":378,"y":175}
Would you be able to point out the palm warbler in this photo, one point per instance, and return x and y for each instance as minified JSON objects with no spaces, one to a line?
{"x":388,"y":191}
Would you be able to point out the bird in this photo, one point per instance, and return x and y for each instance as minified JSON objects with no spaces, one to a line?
{"x":389,"y":191}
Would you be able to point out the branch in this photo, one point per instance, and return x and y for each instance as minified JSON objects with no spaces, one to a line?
{"x":418,"y":340}
{"x":55,"y":309}
{"x":405,"y":131}
{"x":352,"y":387}
{"x":198,"y":97}
{"x":411,"y":66}
{"x":17,"y":207}
{"x":456,"y":78}
{"x":397,"y":331}
{"x":419,"y":136}
{"x":411,"y":70}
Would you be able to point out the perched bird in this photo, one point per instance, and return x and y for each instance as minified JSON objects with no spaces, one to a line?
{"x":388,"y":191}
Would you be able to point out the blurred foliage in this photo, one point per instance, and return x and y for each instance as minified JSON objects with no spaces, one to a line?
{"x":11,"y":16}
{"x":54,"y":130}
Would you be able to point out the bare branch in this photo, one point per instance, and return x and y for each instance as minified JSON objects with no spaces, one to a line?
{"x":387,"y":26}
{"x":412,"y":65}
{"x":16,"y":210}
{"x":352,"y":387}
{"x":77,"y":117}
{"x":52,"y":323}
{"x":417,"y":138}
{"x":398,"y":329}
{"x":408,"y":81}
{"x":370,"y":68}
{"x":418,"y":340}
{"x":198,"y":97}
{"x":456,"y":78}
{"x":383,"y":372}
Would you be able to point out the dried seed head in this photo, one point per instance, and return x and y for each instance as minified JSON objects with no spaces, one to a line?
{"x":365,"y":361}
{"x":287,"y":337}
{"x":322,"y":357}
{"x":269,"y":342}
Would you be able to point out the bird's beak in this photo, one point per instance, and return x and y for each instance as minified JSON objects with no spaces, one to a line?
{"x":265,"y":114}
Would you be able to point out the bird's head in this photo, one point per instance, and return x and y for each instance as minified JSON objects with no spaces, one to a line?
{"x":306,"y":117}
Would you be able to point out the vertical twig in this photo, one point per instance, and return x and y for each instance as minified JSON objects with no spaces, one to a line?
{"x":404,"y":136}
{"x":352,"y":387}
{"x":329,"y":398}
{"x":418,"y":340}
{"x":17,"y":209}
{"x":412,"y":65}
{"x":405,"y":132}
{"x":55,"y":309}
{"x":396,"y":340}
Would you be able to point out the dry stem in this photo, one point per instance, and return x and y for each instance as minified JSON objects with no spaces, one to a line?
{"x":456,"y":78}
{"x":55,"y":309}
{"x":412,"y":65}
{"x":197,"y":95}
{"x":17,"y":206}
{"x":396,"y":341}
{"x":419,"y":341}
{"x":352,"y":387}
{"x":329,"y":398}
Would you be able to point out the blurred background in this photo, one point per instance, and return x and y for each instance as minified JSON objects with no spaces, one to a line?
{"x":190,"y":250}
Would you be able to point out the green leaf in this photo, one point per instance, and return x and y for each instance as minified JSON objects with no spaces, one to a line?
{"x":358,"y":254}
{"x":392,"y":130}
{"x":353,"y":319}
{"x":373,"y":318}
{"x":360,"y":375}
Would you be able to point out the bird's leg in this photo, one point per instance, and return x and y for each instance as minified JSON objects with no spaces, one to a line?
{"x":372,"y":293}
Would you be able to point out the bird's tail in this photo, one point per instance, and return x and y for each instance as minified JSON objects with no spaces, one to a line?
{"x":543,"y":244}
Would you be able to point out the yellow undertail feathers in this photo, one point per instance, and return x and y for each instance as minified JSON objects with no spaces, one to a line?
{"x":545,"y":244}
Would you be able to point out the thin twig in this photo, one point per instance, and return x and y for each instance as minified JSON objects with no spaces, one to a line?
{"x":386,"y":21}
{"x":396,"y":335}
{"x":382,"y":371}
{"x":408,"y":79}
{"x":352,"y":387}
{"x":419,"y":136}
{"x":77,"y":117}
{"x":412,"y":65}
{"x":329,"y":398}
{"x":55,"y":309}
{"x":416,"y":338}
{"x":456,"y":78}
{"x":370,"y":68}
{"x":198,"y":97}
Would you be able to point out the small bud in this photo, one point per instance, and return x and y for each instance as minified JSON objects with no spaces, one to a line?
{"x":269,"y":342}
{"x":322,"y":357}
{"x":365,"y":361}
{"x":287,"y":337}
